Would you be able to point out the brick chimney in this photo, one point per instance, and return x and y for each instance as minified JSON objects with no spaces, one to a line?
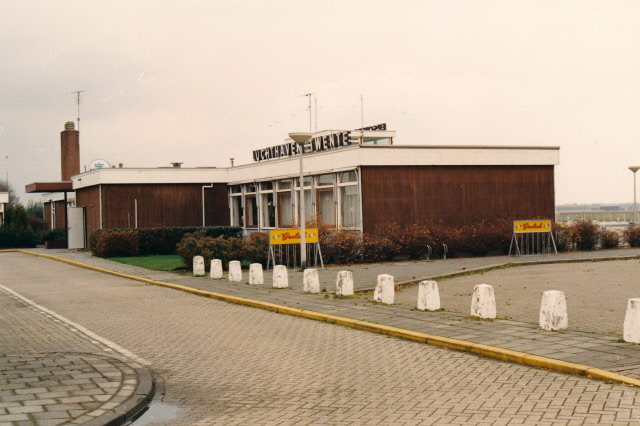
{"x":69,"y":151}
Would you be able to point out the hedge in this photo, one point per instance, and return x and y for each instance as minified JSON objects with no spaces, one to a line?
{"x":152,"y":241}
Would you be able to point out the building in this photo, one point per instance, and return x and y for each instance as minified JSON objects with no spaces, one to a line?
{"x":353,"y":180}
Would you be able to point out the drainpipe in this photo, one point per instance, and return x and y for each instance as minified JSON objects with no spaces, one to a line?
{"x":100,"y":188}
{"x":203,"y":187}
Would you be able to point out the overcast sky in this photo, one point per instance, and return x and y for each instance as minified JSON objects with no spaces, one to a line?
{"x":203,"y":81}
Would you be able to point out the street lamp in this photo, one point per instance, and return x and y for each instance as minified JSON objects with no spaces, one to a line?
{"x":301,"y":139}
{"x":634,"y":169}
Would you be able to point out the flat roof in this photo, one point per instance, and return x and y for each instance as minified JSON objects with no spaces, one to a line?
{"x":328,"y":161}
{"x":64,"y":186}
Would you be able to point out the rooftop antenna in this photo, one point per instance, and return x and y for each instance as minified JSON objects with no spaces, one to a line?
{"x":362,"y":111}
{"x":77,"y":92}
{"x":310,"y":112}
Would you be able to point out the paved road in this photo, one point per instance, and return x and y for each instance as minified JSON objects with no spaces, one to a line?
{"x":227,"y":364}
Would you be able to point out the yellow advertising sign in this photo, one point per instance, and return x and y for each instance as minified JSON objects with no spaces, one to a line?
{"x":524,"y":226}
{"x":292,"y":236}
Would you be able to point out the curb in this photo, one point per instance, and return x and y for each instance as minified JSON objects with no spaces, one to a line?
{"x":132,"y":407}
{"x":494,"y":352}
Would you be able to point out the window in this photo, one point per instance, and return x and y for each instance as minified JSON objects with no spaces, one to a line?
{"x":251,"y":187}
{"x":350,"y":206}
{"x":251,"y":211}
{"x":284,"y":184}
{"x":236,"y":189}
{"x":377,"y":141}
{"x":285,"y":209}
{"x":307,"y":182}
{"x":266,"y":186}
{"x":326,"y":207}
{"x":268,"y":210}
{"x":349,"y":176}
{"x":237,"y":212}
{"x":308,"y":204}
{"x":325,"y":180}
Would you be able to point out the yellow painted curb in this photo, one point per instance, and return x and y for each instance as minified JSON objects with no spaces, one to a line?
{"x":445,"y":342}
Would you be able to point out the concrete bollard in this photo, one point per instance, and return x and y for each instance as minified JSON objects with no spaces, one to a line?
{"x":631,"y":331}
{"x":428,"y":296}
{"x":384,"y":292}
{"x":280,"y":277}
{"x":483,"y":304}
{"x":198,"y":266}
{"x":235,"y":271}
{"x":216,"y":269}
{"x":344,"y":283}
{"x":256,"y":276}
{"x":553,"y":311}
{"x":310,"y":281}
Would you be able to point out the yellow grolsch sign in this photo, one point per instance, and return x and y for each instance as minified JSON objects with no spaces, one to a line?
{"x":522,"y":226}
{"x":292,"y":236}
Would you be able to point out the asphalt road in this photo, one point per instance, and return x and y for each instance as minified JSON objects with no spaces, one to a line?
{"x":227,"y":364}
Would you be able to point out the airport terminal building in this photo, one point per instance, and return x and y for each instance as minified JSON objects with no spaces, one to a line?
{"x":353,"y":179}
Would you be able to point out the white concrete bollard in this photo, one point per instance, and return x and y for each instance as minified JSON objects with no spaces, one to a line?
{"x":216,"y":269}
{"x":310,"y":281}
{"x":198,"y":266}
{"x":428,"y":296}
{"x":385,"y":291}
{"x":280,"y":277}
{"x":483,"y":304}
{"x":235,"y":271}
{"x":255,"y":274}
{"x":631,"y":331}
{"x":553,"y":311}
{"x":344,"y":283}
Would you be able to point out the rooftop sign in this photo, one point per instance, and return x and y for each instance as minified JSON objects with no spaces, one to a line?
{"x":318,"y":143}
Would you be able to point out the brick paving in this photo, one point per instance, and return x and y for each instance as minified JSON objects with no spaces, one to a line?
{"x":51,"y":373}
{"x":227,"y":364}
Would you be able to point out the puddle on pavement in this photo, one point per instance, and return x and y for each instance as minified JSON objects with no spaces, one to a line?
{"x":157,"y":412}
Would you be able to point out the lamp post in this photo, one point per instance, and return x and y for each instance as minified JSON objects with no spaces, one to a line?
{"x":301,"y":139}
{"x":634,"y":169}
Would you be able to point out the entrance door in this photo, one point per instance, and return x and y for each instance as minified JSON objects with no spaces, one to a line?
{"x":76,"y":227}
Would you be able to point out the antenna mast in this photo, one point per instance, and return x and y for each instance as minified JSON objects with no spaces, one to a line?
{"x":77,"y":92}
{"x":310,"y":111}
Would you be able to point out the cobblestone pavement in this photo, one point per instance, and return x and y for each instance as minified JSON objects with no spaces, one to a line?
{"x":365,"y":275}
{"x":43,"y":382}
{"x":583,"y":345}
{"x":228,"y":364}
{"x":596,"y":292}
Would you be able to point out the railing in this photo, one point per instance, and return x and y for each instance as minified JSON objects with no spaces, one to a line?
{"x":599,"y":215}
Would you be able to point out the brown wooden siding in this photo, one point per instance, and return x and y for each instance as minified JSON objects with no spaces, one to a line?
{"x":59,"y":209}
{"x":158,"y":205}
{"x":89,"y":199}
{"x":455,"y":195}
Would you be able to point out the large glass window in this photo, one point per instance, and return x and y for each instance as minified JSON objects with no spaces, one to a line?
{"x":237,"y":213}
{"x":284,"y":184}
{"x":326,"y":207}
{"x":325,"y":180}
{"x":350,"y":206}
{"x":285,"y":209}
{"x":349,"y":176}
{"x":308,"y":203}
{"x":251,"y":211}
{"x":268,"y":210}
{"x":307,"y":181}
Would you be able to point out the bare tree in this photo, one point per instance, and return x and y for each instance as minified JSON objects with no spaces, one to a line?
{"x":6,"y":187}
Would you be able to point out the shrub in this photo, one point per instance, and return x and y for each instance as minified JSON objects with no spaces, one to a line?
{"x":562,"y":236}
{"x":164,"y":240}
{"x":631,"y":235}
{"x":609,"y":239}
{"x":225,"y":249}
{"x":585,"y":234}
{"x":15,"y":231}
{"x":382,"y":244}
{"x":342,"y":247}
{"x":112,"y":243}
